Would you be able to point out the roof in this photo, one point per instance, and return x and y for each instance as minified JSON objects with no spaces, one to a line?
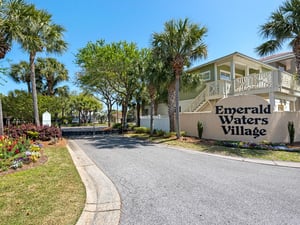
{"x":229,"y":56}
{"x":278,"y":57}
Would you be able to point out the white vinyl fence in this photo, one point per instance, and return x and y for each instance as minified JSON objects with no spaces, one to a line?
{"x":159,"y":122}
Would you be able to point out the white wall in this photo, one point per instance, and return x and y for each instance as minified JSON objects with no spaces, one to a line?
{"x":159,"y":122}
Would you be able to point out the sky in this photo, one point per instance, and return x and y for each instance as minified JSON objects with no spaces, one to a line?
{"x":233,"y":25}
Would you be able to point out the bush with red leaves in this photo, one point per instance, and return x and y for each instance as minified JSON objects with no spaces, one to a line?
{"x":43,"y":133}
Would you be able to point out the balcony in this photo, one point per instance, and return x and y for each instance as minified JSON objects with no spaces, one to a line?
{"x":255,"y":84}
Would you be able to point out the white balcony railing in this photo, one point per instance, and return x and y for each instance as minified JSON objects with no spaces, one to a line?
{"x":253,"y":82}
{"x":275,"y":81}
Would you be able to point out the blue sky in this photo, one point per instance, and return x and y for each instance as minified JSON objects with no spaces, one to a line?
{"x":233,"y":25}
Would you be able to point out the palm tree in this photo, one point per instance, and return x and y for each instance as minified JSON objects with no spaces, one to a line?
{"x":179,"y":44}
{"x":5,"y":44}
{"x":36,"y":33}
{"x":21,"y":73}
{"x":53,"y":72}
{"x":283,"y":26}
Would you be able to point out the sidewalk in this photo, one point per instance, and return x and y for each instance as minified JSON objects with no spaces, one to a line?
{"x":103,"y":205}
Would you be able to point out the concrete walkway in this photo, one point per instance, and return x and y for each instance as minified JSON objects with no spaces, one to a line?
{"x":103,"y":205}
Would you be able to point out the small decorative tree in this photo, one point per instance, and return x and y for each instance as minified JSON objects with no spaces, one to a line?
{"x":200,"y":129}
{"x":291,"y":130}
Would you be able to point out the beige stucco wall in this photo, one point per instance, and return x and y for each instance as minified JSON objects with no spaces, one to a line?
{"x":277,"y":131}
{"x":276,"y":127}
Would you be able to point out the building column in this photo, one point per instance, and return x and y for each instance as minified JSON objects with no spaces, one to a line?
{"x":247,"y":70}
{"x":272,"y":100}
{"x":215,"y":71}
{"x":232,"y":76}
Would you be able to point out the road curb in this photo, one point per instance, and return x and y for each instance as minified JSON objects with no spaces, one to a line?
{"x":257,"y":161}
{"x":103,"y":204}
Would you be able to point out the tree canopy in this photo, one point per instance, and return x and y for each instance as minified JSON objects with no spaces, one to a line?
{"x":112,"y":70}
{"x":282,"y":26}
{"x":177,"y":46}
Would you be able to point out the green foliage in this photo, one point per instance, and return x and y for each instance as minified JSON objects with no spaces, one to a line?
{"x":291,"y":130}
{"x":112,"y":71}
{"x":18,"y":105}
{"x":200,"y":129}
{"x":158,"y":132}
{"x":142,"y":130}
{"x":282,"y":27}
{"x":83,"y":104}
{"x":33,"y":135}
{"x":117,"y":126}
{"x":176,"y":47}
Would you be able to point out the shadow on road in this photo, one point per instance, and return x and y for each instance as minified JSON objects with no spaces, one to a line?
{"x":111,"y":141}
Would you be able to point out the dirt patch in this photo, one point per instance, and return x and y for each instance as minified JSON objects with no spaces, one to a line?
{"x":42,"y":160}
{"x":197,"y":140}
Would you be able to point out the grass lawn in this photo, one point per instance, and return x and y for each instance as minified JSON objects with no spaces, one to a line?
{"x":51,"y":193}
{"x":194,"y":144}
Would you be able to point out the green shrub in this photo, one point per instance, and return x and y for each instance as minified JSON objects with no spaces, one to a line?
{"x":117,"y":126}
{"x":159,"y":132}
{"x":291,"y":130}
{"x":200,"y":129}
{"x":141,"y":130}
{"x":32,"y":135}
{"x":183,"y":133}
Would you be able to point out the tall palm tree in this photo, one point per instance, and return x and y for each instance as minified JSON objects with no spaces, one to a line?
{"x":282,"y":26}
{"x":53,"y":72}
{"x":179,"y":44}
{"x":37,"y":34}
{"x":5,"y":44}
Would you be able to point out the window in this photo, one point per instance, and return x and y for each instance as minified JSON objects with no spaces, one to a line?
{"x":224,"y":75}
{"x":205,"y":75}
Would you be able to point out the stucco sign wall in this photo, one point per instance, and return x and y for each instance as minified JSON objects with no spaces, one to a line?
{"x":243,"y":116}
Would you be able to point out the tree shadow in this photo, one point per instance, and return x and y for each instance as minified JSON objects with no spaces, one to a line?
{"x":112,"y":141}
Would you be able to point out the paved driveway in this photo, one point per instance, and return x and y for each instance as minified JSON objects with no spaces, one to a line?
{"x":159,"y":185}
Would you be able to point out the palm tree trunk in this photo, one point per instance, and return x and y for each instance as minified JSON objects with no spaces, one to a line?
{"x":177,"y":106}
{"x":34,"y":92}
{"x":171,"y":105}
{"x":152,"y":99}
{"x":1,"y":119}
{"x":296,"y":50}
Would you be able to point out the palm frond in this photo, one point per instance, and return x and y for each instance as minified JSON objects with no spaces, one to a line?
{"x":268,"y":47}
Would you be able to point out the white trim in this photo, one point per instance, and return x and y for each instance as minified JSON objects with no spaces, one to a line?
{"x":203,"y":74}
{"x":225,"y":72}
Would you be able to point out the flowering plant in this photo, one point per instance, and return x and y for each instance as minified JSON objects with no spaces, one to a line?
{"x":14,"y":152}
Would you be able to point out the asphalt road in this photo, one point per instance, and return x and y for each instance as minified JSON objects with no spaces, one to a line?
{"x":159,"y":185}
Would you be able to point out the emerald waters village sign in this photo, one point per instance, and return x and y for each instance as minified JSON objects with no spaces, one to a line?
{"x":243,"y":116}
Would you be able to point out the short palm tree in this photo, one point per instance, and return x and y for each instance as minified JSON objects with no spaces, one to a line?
{"x":53,"y":72}
{"x":34,"y":31}
{"x":179,"y":44}
{"x":283,"y":26}
{"x":20,"y":72}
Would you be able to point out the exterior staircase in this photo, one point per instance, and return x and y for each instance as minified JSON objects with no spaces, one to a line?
{"x":199,"y":101}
